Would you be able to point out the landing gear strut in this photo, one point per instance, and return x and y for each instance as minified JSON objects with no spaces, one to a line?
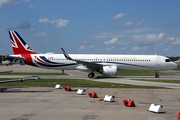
{"x":157,"y":76}
{"x":91,"y":75}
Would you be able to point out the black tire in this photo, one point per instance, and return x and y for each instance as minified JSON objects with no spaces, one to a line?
{"x":91,"y":75}
{"x":157,"y":76}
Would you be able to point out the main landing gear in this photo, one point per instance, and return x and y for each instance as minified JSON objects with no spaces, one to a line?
{"x":157,"y":76}
{"x":91,"y":75}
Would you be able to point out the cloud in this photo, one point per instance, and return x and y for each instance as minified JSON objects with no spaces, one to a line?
{"x":168,"y":25}
{"x":107,"y":35}
{"x":40,"y":34}
{"x":177,"y":42}
{"x":120,"y":15}
{"x":161,"y":35}
{"x":132,"y":23}
{"x":31,"y":6}
{"x":149,"y":37}
{"x":157,"y":42}
{"x":58,"y":23}
{"x":27,"y":0}
{"x":91,"y":46}
{"x":3,"y":2}
{"x":112,"y":41}
{"x":61,"y":23}
{"x":157,"y":47}
{"x":146,"y":47}
{"x":136,"y":48}
{"x":100,"y":27}
{"x":139,"y":30}
{"x":124,"y":43}
{"x":139,"y":23}
{"x":167,"y":48}
{"x":45,"y":20}
{"x":9,"y":2}
{"x":122,"y":48}
{"x":82,"y":47}
{"x":24,"y":25}
{"x":171,"y":38}
{"x":128,"y":24}
{"x":108,"y":49}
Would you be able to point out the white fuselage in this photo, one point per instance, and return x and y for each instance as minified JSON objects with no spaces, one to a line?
{"x":123,"y":62}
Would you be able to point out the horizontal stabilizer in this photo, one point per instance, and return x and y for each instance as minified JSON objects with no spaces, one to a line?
{"x":15,"y":58}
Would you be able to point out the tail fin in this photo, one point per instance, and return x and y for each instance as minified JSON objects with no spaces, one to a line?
{"x":18,"y":44}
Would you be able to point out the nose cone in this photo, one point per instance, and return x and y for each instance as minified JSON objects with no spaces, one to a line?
{"x":174,"y":65}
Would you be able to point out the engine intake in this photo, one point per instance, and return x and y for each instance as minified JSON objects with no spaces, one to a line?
{"x":109,"y":70}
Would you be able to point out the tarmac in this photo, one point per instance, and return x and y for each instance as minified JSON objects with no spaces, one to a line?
{"x":44,"y":103}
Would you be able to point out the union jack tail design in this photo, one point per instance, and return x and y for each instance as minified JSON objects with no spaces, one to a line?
{"x":19,"y":45}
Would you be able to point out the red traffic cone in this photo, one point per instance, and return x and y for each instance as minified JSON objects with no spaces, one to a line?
{"x":178,"y":116}
{"x":69,"y":89}
{"x":131,"y":103}
{"x":93,"y":95}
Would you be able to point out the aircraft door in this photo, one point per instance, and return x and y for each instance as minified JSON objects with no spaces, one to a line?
{"x":158,"y":60}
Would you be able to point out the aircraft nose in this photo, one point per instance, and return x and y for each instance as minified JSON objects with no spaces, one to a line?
{"x":174,"y":66}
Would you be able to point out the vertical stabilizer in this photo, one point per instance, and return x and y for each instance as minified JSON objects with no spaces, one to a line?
{"x":18,"y":44}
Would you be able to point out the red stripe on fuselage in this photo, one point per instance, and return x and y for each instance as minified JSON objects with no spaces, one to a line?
{"x":40,"y":60}
{"x":28,"y":59}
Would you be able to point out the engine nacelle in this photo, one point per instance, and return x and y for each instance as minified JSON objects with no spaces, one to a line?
{"x":109,"y":70}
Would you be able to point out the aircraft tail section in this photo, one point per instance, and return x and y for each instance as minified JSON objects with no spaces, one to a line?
{"x":18,"y":44}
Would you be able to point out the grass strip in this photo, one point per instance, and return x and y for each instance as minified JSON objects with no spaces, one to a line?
{"x":21,"y":73}
{"x":135,"y":73}
{"x":119,"y":73}
{"x":163,"y":81}
{"x":139,"y":73}
{"x":178,"y":68}
{"x":71,"y":83}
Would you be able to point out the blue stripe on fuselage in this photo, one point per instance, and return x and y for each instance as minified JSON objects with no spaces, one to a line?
{"x":46,"y":60}
{"x":46,"y":65}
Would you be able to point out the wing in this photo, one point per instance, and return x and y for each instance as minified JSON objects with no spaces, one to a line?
{"x":89,"y":65}
{"x":20,"y":80}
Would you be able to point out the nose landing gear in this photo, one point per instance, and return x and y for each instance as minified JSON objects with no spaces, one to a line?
{"x":157,"y":76}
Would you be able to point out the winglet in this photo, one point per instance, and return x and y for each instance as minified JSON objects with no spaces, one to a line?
{"x":66,"y":55}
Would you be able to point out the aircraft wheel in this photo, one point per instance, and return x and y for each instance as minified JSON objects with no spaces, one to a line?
{"x":91,"y":75}
{"x":157,"y":76}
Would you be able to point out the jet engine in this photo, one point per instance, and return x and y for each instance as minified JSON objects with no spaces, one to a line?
{"x":109,"y":70}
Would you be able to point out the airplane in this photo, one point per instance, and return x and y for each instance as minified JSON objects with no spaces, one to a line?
{"x":107,"y":64}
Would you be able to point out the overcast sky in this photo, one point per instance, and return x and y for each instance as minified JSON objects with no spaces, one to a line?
{"x":93,"y":26}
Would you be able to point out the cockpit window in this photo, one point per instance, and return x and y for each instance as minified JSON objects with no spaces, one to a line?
{"x":168,"y":60}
